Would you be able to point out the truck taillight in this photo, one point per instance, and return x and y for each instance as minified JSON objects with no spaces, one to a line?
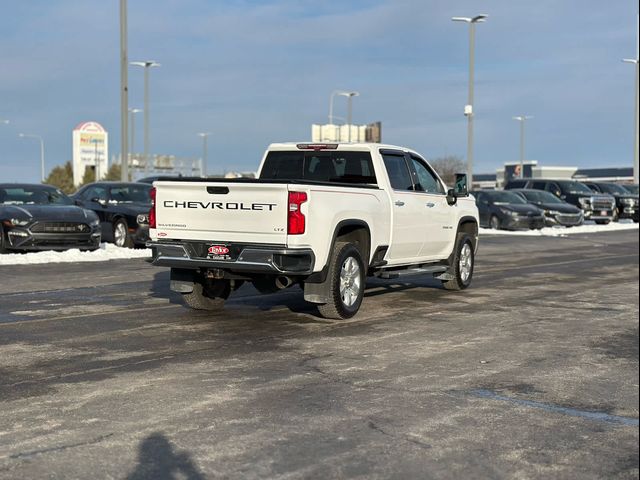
{"x":296,"y":220}
{"x":152,"y":212}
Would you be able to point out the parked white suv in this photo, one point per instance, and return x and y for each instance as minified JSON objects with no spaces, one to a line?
{"x":324,"y":216}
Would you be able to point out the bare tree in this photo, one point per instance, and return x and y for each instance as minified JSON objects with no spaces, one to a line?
{"x":448,"y":166}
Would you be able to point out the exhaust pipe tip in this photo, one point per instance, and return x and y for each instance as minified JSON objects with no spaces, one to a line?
{"x":283,"y":282}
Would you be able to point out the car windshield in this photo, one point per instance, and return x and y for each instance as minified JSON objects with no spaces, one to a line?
{"x":613,"y":189}
{"x":631,"y":188}
{"x":541,"y":197}
{"x":505,"y":198}
{"x":131,"y":193}
{"x":576,"y":187}
{"x":32,"y":195}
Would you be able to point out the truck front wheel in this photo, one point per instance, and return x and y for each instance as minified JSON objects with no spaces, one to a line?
{"x":462,"y":265}
{"x":346,"y":279}
{"x":210,"y":297}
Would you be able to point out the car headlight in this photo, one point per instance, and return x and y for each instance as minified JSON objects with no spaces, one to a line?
{"x":584,"y":202}
{"x":17,"y":222}
{"x":630,"y":202}
{"x":95,"y":222}
{"x":553,"y":212}
{"x":142,"y":219}
{"x":509,"y":212}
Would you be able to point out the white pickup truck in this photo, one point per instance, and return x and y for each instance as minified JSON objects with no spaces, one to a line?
{"x":323,"y":216}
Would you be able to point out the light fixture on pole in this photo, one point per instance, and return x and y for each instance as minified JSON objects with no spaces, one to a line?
{"x":147,"y":64}
{"x":468,"y":109}
{"x":5,"y":121}
{"x":204,"y":152}
{"x":37,"y":137}
{"x":522,"y":119}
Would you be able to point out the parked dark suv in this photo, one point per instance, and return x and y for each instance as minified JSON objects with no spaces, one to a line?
{"x":626,"y":203}
{"x":596,"y":206}
{"x":556,"y":211}
{"x":502,"y":210}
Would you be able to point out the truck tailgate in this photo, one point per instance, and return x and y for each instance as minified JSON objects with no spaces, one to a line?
{"x":222,"y":211}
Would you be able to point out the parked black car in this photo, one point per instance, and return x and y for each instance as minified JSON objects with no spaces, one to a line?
{"x":626,"y":203}
{"x":556,"y":211}
{"x":596,"y":207}
{"x":123,"y":209}
{"x":36,"y":217}
{"x":507,"y":211}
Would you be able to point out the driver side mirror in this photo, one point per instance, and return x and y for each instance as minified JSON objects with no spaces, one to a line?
{"x":460,"y":189}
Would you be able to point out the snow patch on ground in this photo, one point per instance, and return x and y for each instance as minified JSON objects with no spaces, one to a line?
{"x":107,"y":251}
{"x":564,"y":231}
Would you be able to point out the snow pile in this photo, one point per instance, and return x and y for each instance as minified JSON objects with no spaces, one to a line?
{"x":107,"y":251}
{"x":564,"y":231}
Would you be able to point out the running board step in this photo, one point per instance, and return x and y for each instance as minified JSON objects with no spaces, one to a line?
{"x":439,"y":270}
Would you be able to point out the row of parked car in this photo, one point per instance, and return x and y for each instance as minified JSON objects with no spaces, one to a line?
{"x":537,"y":203}
{"x":36,"y":217}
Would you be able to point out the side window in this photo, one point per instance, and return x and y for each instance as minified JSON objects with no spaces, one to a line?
{"x":426,"y":181}
{"x":538,"y":185}
{"x":398,"y":172}
{"x":554,"y":188}
{"x":95,"y":192}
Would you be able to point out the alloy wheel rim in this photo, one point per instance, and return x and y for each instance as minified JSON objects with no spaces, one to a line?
{"x":350,"y":282}
{"x":466,"y":262}
{"x":120,"y":234}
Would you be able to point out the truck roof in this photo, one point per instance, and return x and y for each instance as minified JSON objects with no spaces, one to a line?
{"x":339,"y":146}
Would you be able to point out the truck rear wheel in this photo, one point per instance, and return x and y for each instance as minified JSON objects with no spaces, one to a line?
{"x":211,"y":297}
{"x":346,"y":279}
{"x":463,"y":264}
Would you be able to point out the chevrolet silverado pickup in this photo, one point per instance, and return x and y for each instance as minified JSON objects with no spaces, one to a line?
{"x":322,"y":216}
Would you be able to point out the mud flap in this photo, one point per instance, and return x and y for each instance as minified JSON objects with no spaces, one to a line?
{"x":317,"y":292}
{"x":181,"y":280}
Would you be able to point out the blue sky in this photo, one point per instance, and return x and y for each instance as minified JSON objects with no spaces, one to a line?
{"x":256,"y":72}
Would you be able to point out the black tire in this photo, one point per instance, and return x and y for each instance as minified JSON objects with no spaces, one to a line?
{"x":346,"y":259}
{"x":203,"y":298}
{"x":121,"y":235}
{"x":462,"y":268}
{"x":494,"y":223}
{"x":616,"y":215}
{"x":602,"y":222}
{"x":3,"y":249}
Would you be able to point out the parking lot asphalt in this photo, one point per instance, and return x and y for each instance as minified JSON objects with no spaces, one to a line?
{"x":531,"y":373}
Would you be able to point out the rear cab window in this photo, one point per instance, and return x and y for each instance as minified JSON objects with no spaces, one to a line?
{"x":344,"y":167}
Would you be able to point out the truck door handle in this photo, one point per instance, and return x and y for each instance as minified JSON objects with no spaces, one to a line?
{"x":431,"y":205}
{"x":399,"y":203}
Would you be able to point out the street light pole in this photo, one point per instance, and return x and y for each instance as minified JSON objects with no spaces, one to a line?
{"x":124,"y":94}
{"x":203,"y":169}
{"x":37,"y":137}
{"x":132,"y":121}
{"x":468,"y":110}
{"x":349,"y":95}
{"x":522,"y":119}
{"x":147,"y":64}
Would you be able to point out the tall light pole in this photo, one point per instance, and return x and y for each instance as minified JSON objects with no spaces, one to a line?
{"x":132,"y":134}
{"x":635,"y":124}
{"x":124,"y":93}
{"x":204,"y":152}
{"x":147,"y":64}
{"x":522,"y":119}
{"x":37,"y":137}
{"x":468,"y":109}
{"x":342,"y":93}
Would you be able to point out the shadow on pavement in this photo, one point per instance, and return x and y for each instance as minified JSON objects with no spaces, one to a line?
{"x":157,"y":460}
